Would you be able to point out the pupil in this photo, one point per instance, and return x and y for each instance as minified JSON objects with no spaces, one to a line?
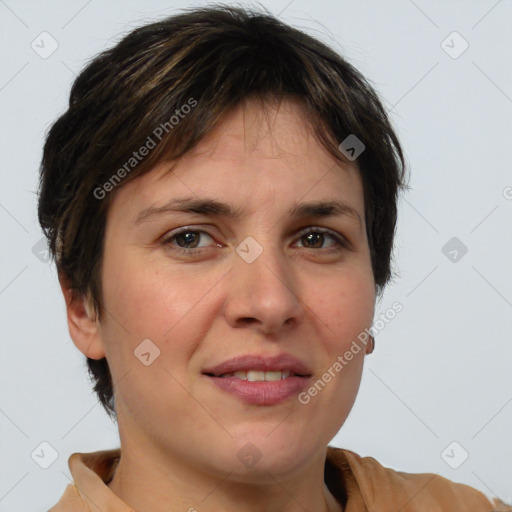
{"x":314,"y":236}
{"x":189,"y":237}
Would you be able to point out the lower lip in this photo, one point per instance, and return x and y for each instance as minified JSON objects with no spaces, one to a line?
{"x":262,"y":392}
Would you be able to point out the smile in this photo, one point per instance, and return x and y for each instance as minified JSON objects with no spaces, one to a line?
{"x":260,"y":379}
{"x":258,"y":376}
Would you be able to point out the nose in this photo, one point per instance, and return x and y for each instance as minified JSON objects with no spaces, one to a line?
{"x":263,"y":294}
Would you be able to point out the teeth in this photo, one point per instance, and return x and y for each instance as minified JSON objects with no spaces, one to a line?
{"x":271,"y":376}
{"x":258,"y":376}
{"x":253,"y":376}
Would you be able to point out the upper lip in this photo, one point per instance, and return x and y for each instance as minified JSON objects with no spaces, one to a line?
{"x":281,"y":362}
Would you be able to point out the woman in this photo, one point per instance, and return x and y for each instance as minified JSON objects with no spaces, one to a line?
{"x":220,"y":199}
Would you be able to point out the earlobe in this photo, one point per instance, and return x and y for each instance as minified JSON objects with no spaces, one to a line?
{"x":83,"y":324}
{"x":370,"y":347}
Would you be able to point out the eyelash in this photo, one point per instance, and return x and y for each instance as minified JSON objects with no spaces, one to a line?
{"x":340,"y":241}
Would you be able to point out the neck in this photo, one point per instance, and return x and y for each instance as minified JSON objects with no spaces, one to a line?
{"x":150,"y":485}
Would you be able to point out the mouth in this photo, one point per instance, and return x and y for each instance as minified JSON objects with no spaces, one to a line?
{"x":257,"y":367}
{"x":260,"y":380}
{"x":258,"y":376}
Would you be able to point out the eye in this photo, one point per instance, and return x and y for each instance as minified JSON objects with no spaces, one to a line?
{"x":314,"y":238}
{"x":186,"y":240}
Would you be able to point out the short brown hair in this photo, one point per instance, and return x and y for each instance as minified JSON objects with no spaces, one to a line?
{"x":217,"y":56}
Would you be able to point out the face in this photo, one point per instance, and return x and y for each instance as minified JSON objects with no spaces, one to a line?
{"x":198,"y":301}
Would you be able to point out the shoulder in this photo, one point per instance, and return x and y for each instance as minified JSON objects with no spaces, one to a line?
{"x":91,"y":472}
{"x":410,"y":492}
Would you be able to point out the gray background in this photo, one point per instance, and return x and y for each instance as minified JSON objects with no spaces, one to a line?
{"x":441,"y":371}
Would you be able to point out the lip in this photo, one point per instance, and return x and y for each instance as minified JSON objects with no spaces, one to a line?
{"x":261,"y":392}
{"x":280,"y":362}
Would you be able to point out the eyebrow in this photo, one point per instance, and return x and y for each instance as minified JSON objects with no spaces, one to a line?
{"x":214,"y":208}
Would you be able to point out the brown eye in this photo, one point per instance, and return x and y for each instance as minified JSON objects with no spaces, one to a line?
{"x":315,"y":239}
{"x":186,"y":240}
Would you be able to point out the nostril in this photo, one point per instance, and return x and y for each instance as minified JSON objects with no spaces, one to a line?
{"x":247,"y":320}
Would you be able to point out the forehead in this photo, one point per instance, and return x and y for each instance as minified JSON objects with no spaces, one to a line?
{"x":259,"y":153}
{"x":271,"y":129}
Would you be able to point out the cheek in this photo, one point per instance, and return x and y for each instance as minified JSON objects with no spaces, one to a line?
{"x":345,"y":306}
{"x":163,"y":303}
{"x":145,"y":302}
{"x":147,"y":297}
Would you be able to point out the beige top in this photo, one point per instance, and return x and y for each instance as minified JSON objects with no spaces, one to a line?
{"x":360,"y":484}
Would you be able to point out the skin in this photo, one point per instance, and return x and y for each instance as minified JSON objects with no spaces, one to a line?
{"x":179,"y":433}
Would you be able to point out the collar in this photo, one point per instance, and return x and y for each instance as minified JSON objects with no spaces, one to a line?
{"x":360,"y":484}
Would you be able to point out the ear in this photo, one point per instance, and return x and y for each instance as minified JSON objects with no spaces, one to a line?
{"x":82,"y":320}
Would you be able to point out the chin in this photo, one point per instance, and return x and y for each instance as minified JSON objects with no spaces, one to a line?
{"x":276,"y":449}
